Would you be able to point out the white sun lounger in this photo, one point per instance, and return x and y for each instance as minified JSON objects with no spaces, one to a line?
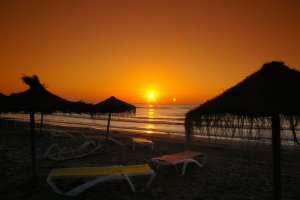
{"x":141,"y":141}
{"x":100,"y":174}
{"x":103,"y":139}
{"x":57,"y":153}
{"x":184,"y":158}
{"x":51,"y":133}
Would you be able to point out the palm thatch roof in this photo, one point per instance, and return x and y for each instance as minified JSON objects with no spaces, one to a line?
{"x":113,"y":105}
{"x":3,"y":103}
{"x":272,"y":89}
{"x":2,"y":96}
{"x":38,"y":99}
{"x":270,"y":94}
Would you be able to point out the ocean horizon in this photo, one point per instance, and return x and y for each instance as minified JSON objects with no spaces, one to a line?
{"x":148,"y":119}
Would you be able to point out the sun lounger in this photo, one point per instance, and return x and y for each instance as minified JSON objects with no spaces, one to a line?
{"x":141,"y":141}
{"x":100,"y":174}
{"x":51,"y":133}
{"x":57,"y":153}
{"x":184,"y":158}
{"x":113,"y":140}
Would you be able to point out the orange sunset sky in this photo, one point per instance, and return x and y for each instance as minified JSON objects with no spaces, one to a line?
{"x":190,"y":50}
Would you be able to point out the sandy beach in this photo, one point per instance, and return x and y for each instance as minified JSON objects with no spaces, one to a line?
{"x":231,"y":171}
{"x":222,"y":74}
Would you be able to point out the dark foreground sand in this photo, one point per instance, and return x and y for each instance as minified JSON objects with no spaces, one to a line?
{"x":230,"y":173}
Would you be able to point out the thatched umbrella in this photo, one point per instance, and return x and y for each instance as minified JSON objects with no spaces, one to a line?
{"x":3,"y":103}
{"x":272,"y":93}
{"x":4,"y":106}
{"x":37,"y":99}
{"x":111,"y":106}
{"x":2,"y":96}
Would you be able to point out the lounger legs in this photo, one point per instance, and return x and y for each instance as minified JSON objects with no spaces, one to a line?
{"x":129,"y":182}
{"x":132,"y":186}
{"x":53,"y":186}
{"x":150,"y":181}
{"x":146,"y":144}
{"x":185,"y":163}
{"x":79,"y":189}
{"x":56,"y":153}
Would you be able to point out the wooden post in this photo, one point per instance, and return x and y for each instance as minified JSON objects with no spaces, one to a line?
{"x":33,"y":153}
{"x":41,"y":124}
{"x":107,"y":131}
{"x":276,"y":145}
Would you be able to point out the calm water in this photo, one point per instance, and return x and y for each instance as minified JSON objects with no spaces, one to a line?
{"x":167,"y":119}
{"x":152,"y":119}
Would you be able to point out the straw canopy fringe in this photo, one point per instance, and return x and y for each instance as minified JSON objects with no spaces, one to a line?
{"x":272,"y":89}
{"x":268,"y":98}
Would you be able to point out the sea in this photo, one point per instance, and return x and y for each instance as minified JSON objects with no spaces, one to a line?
{"x":150,"y":119}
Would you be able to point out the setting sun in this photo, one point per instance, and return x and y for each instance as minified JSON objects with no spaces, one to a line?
{"x":188,"y":80}
{"x":150,"y":96}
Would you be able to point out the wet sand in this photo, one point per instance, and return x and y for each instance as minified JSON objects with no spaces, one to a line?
{"x":231,"y":171}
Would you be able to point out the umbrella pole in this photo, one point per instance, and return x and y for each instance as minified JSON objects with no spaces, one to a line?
{"x":276,"y":145}
{"x":41,"y":124}
{"x":33,"y":155}
{"x":107,"y":131}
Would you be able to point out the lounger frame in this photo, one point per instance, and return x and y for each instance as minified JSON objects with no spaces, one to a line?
{"x":185,"y":162}
{"x":122,"y":176}
{"x":56,"y":153}
{"x":145,"y":142}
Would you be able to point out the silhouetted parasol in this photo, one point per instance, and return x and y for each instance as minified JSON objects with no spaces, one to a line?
{"x":3,"y":103}
{"x":272,"y":93}
{"x":113,"y":105}
{"x":37,"y":99}
{"x":2,"y":96}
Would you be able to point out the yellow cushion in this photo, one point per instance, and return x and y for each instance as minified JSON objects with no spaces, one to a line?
{"x":82,"y":172}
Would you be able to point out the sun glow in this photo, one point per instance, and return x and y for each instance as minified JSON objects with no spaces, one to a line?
{"x":151,"y":97}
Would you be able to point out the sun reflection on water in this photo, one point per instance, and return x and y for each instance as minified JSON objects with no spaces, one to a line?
{"x":149,"y":127}
{"x":151,"y":113}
